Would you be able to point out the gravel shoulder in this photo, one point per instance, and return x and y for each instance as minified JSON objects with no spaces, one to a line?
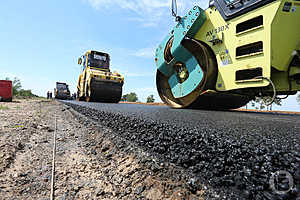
{"x":91,"y":161}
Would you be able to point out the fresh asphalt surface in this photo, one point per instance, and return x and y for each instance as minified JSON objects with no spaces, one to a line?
{"x":226,"y":149}
{"x":266,"y":123}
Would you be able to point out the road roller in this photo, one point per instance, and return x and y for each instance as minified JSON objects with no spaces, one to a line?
{"x":62,"y":91}
{"x":230,"y":53}
{"x":96,"y":82}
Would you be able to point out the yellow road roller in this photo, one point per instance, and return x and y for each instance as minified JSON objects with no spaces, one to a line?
{"x":225,"y":56}
{"x":96,"y":82}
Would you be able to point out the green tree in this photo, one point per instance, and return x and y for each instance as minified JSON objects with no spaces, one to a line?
{"x":26,"y":93}
{"x":298,"y":98}
{"x":131,"y":97}
{"x":150,"y":99}
{"x":17,"y":89}
{"x":261,"y":103}
{"x":16,"y":84}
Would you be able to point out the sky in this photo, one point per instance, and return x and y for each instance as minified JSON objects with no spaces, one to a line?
{"x":42,"y":40}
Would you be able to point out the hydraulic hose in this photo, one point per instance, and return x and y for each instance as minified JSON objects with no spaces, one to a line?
{"x":273,"y":86}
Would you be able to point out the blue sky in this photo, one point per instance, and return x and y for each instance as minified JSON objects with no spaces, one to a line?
{"x":42,"y":40}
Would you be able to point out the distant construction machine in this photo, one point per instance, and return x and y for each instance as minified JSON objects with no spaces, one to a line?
{"x":6,"y":90}
{"x":230,"y":53}
{"x":96,"y":82}
{"x":62,"y":91}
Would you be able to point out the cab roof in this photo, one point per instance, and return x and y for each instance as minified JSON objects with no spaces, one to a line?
{"x":98,"y":52}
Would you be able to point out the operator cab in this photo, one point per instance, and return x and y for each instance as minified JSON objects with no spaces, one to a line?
{"x":230,"y":9}
{"x":98,"y":60}
{"x":62,"y":86}
{"x":95,"y":60}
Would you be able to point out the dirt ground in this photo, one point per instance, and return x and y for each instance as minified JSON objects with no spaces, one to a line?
{"x":89,"y":164}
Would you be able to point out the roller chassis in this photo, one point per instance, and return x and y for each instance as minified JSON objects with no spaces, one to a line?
{"x":99,"y":85}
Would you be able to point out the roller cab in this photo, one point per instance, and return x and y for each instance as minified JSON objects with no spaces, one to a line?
{"x":226,"y":55}
{"x":96,"y":82}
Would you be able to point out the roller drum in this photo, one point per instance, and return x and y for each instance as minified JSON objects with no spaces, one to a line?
{"x":105,"y":91}
{"x":200,"y":97}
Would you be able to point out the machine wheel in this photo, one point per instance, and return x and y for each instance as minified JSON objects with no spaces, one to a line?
{"x":88,"y":96}
{"x":208,"y":64}
{"x":200,"y":98}
{"x":117,"y":100}
{"x":79,"y":98}
{"x":9,"y":100}
{"x":103,"y":91}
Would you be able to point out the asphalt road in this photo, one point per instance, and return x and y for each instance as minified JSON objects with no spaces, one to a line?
{"x":230,"y":150}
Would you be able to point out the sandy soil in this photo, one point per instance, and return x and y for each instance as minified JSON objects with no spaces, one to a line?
{"x":89,"y":164}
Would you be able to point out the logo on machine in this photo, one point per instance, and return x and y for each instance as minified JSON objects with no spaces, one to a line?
{"x":217,"y":30}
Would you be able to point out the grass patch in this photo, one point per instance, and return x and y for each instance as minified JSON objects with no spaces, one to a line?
{"x":19,"y":126}
{"x":3,"y":107}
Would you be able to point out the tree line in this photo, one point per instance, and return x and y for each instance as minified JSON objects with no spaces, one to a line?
{"x":132,"y":97}
{"x":17,"y":89}
{"x":260,"y":103}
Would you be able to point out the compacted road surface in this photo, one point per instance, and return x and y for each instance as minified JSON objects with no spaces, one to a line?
{"x":243,"y":155}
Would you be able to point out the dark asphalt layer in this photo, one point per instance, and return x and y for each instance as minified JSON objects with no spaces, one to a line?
{"x":236,"y":151}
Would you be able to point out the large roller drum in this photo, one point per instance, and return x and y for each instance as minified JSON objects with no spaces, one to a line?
{"x":203,"y":96}
{"x":205,"y":80}
{"x":106,"y":91}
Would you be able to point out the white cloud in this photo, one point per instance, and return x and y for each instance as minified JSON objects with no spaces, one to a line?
{"x":5,"y":75}
{"x":134,"y":75}
{"x":146,"y":89}
{"x":145,"y":53}
{"x":138,"y":74}
{"x":139,"y":6}
{"x":148,"y":12}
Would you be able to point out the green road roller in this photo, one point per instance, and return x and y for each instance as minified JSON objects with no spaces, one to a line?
{"x":229,"y":54}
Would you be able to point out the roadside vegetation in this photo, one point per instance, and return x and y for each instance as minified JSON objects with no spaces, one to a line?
{"x":150,"y":99}
{"x":18,"y":91}
{"x":131,"y":97}
{"x":261,"y":103}
{"x":2,"y":107}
